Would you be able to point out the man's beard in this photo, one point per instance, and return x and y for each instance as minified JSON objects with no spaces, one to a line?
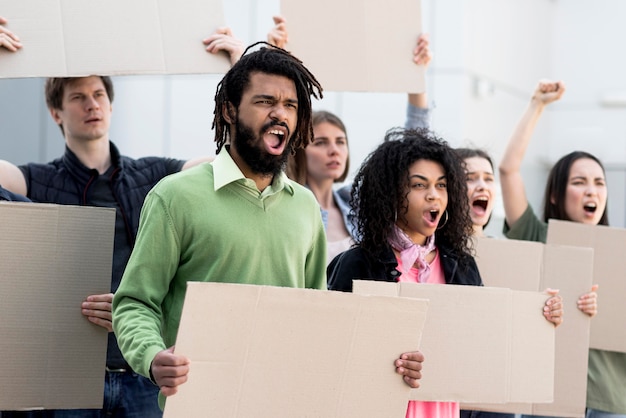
{"x":260,"y":161}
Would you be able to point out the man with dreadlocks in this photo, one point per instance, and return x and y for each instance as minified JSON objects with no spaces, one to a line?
{"x":238,"y":219}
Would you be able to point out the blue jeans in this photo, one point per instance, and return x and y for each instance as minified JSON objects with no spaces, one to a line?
{"x":595,"y":413}
{"x":126,"y":395}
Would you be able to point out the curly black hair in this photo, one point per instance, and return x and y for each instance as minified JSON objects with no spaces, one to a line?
{"x":381,"y":186}
{"x":268,"y":60}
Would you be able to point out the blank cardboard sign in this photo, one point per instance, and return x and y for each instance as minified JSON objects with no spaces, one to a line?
{"x":364,"y":46}
{"x":68,"y":38}
{"x":471,"y":342}
{"x":260,"y":351}
{"x":52,"y":258}
{"x":525,"y":265}
{"x":608,"y":327}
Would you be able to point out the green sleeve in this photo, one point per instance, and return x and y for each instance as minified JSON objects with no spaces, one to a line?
{"x":527,"y":228}
{"x":137,"y":305}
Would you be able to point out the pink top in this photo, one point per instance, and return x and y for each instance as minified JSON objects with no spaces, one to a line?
{"x":419,"y":409}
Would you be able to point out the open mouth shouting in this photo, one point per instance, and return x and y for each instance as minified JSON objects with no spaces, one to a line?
{"x":275,"y":139}
{"x":479,"y":205}
{"x":590,"y":209}
{"x":432,"y":217}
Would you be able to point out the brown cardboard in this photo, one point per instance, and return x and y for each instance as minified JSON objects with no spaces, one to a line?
{"x":65,"y":38}
{"x":260,"y":351}
{"x":524,"y":265}
{"x":471,"y":342}
{"x":52,"y":258}
{"x":364,"y":46}
{"x":608,"y":327}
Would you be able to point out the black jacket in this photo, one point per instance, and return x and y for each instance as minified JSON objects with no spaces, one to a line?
{"x":11,"y":197}
{"x":67,"y":181}
{"x":358,"y":264}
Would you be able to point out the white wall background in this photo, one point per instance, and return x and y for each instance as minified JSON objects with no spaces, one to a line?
{"x":489,"y":54}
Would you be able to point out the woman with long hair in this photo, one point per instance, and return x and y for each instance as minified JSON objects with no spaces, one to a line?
{"x":575,"y":191}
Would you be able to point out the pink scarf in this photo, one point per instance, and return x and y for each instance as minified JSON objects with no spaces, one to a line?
{"x":411,"y":253}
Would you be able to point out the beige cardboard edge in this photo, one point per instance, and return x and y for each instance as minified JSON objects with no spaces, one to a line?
{"x":464,"y":311}
{"x":345,"y":343}
{"x":58,"y":38}
{"x":536,"y":265}
{"x":608,"y":327}
{"x":355,"y":57}
{"x":53,"y":257}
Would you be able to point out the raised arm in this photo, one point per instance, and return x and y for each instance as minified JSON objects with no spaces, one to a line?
{"x":8,"y":39}
{"x":421,"y":56}
{"x":418,"y":114}
{"x":11,"y":178}
{"x":513,"y":193}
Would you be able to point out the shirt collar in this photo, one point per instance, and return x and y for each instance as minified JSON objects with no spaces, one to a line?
{"x":226,"y":171}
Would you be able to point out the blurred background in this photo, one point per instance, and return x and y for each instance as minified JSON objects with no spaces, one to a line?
{"x":488,"y":57}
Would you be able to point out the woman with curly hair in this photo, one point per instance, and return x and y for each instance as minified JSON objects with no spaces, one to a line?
{"x":410,"y":201}
{"x":413,"y":225}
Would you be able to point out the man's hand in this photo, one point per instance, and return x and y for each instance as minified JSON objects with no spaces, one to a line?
{"x":553,"y":308}
{"x":97,"y":309}
{"x":8,"y":39}
{"x":409,"y":366}
{"x":223,"y":40}
{"x":588,"y":303}
{"x":169,"y":371}
{"x":278,"y":35}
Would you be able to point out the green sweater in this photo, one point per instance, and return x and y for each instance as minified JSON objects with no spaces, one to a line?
{"x":606,"y":375}
{"x":211,"y":224}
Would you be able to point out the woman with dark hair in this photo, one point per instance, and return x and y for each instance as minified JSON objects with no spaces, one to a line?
{"x":324,"y":162}
{"x":411,"y":186}
{"x":575,"y":191}
{"x":556,"y":197}
{"x":413,"y":224}
{"x":481,"y":194}
{"x":481,"y":186}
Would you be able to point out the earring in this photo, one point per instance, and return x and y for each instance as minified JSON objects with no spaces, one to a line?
{"x":444,"y":222}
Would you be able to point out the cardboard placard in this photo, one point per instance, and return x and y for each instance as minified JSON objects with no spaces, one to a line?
{"x":525,"y":265}
{"x":270,"y":351}
{"x":368,"y":47}
{"x":67,"y":38}
{"x":471,"y":343}
{"x":608,"y":327}
{"x":52,"y":258}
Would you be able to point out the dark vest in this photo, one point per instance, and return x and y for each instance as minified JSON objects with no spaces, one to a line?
{"x":67,"y":181}
{"x":11,"y":197}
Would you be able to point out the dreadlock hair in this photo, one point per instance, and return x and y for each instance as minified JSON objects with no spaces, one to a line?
{"x":268,"y":60}
{"x":381,"y":187}
{"x":556,"y":187}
